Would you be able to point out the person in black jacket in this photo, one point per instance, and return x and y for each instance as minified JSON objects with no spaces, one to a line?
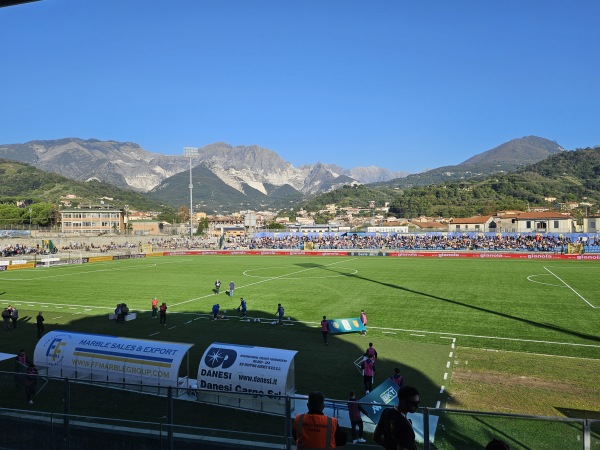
{"x":394,"y":430}
{"x":39,"y":322}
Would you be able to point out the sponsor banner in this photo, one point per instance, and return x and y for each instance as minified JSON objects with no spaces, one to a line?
{"x":338,"y":326}
{"x":374,"y":253}
{"x":100,"y":258}
{"x":94,"y":356}
{"x":153,"y":254}
{"x":135,"y":256}
{"x":77,"y":261}
{"x":24,"y":265}
{"x":256,"y":252}
{"x":494,"y":255}
{"x":188,"y":252}
{"x":246,"y":369}
{"x":384,"y":394}
{"x":3,"y":267}
{"x":584,"y":257}
{"x":59,"y":262}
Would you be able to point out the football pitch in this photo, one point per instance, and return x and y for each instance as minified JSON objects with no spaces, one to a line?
{"x":421,"y":311}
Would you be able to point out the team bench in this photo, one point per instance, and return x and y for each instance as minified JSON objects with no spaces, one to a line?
{"x":128,"y":317}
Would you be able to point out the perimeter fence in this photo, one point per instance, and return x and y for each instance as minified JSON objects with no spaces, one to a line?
{"x":75,"y":414}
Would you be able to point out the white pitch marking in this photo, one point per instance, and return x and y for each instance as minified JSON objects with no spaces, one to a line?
{"x":66,"y":305}
{"x":446,"y":376}
{"x":113,"y":269}
{"x":529,"y":278}
{"x":437,"y":405}
{"x":154,"y":334}
{"x":442,"y":389}
{"x":413,"y":334}
{"x":189,"y":321}
{"x":263,"y":281}
{"x":448,"y":365}
{"x":288,"y":277}
{"x":59,"y":317}
{"x":172,"y":327}
{"x":388,"y":332}
{"x":450,"y":355}
{"x":574,"y":291}
{"x":490,"y":337}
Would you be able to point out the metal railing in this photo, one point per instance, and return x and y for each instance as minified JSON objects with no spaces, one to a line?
{"x":72,"y":414}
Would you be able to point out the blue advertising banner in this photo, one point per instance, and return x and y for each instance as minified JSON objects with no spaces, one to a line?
{"x":352,"y":325}
{"x":386,"y":394}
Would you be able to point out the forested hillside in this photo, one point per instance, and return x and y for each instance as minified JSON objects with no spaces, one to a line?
{"x":566,"y":176}
{"x":41,"y":192}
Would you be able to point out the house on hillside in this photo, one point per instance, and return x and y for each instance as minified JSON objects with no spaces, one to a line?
{"x":481,"y":224}
{"x":506,"y":221}
{"x":591,"y":224}
{"x":545,"y":222}
{"x":422,"y":225}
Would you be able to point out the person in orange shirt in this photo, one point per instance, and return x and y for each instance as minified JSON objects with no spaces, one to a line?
{"x":154,"y":307}
{"x":315,"y":430}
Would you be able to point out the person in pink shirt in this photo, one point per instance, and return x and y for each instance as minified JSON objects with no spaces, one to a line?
{"x":368,"y":368}
{"x":371,"y":351}
{"x":325,"y":329}
{"x":363,"y":319}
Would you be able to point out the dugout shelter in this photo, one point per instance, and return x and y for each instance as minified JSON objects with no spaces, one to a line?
{"x":97,"y":357}
{"x":266,"y":374}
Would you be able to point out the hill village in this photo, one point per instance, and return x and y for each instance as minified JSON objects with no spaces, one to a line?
{"x":104,"y":219}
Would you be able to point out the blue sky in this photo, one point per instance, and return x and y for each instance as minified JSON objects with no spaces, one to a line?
{"x":406,"y":85}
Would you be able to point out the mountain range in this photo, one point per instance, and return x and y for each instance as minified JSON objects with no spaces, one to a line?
{"x":507,"y":157}
{"x":228,"y":178}
{"x":127,"y":165}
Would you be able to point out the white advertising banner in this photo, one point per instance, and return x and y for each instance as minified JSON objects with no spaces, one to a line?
{"x":247,"y":369}
{"x":110,"y":358}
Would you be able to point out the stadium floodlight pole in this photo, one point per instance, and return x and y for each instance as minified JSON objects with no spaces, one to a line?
{"x":126,"y":219}
{"x":190,"y":152}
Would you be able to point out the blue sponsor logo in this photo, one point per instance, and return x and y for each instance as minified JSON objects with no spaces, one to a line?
{"x":54,"y":351}
{"x":220,"y":357}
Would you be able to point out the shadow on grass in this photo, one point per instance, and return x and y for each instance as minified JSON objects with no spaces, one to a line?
{"x":579,"y":413}
{"x":477,"y":308}
{"x":329,"y":369}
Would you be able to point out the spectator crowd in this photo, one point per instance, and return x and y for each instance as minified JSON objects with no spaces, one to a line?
{"x":344,"y":241}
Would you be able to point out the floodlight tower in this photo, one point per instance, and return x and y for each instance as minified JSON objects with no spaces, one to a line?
{"x":190,"y":152}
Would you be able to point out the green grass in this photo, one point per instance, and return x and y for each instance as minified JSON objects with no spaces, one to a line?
{"x":416,"y":308}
